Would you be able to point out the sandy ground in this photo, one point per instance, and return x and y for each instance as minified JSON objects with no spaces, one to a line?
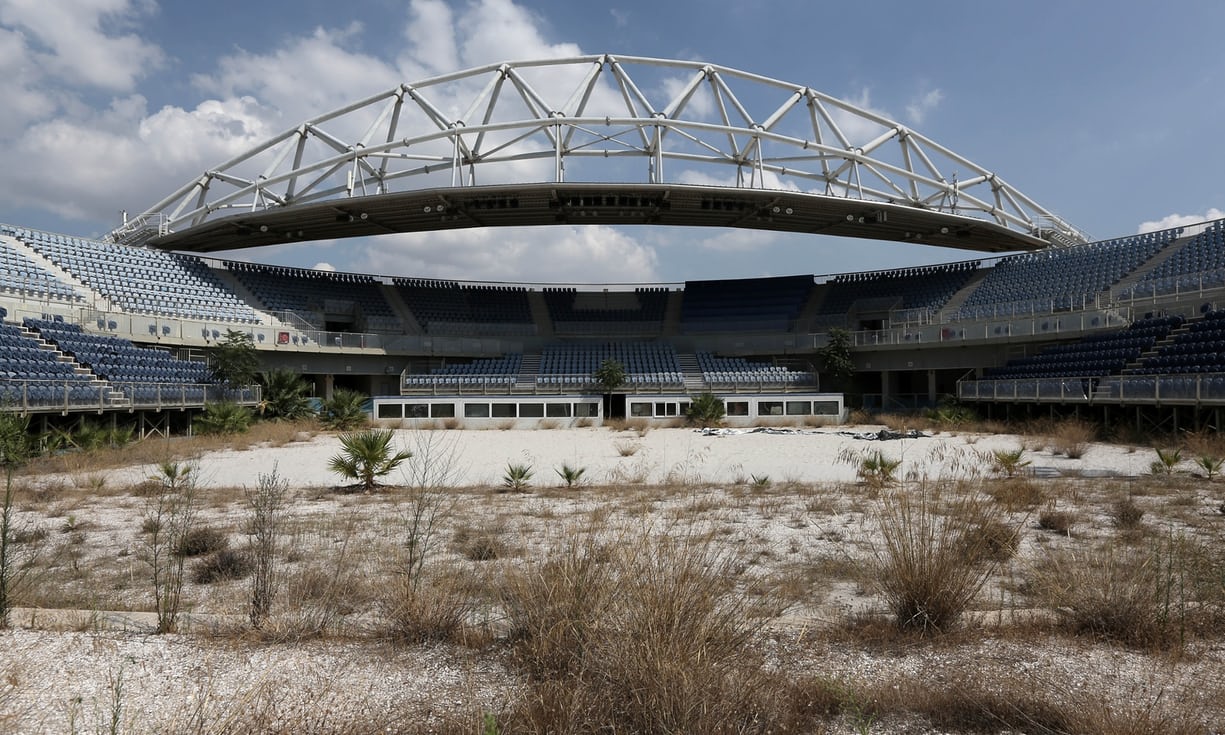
{"x":663,"y":456}
{"x":73,"y":679}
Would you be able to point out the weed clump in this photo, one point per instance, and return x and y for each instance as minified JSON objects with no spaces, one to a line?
{"x":222,"y":566}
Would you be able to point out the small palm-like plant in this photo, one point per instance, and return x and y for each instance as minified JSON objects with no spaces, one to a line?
{"x":1210,"y":465}
{"x":570,"y":475}
{"x":1009,"y":462}
{"x":877,"y":469}
{"x":366,"y":456}
{"x":761,"y":481}
{"x":517,"y":477}
{"x":706,"y":409}
{"x":1167,"y":460}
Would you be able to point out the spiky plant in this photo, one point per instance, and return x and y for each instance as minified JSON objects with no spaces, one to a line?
{"x":1210,"y":465}
{"x":366,"y":456}
{"x":571,"y":476}
{"x":1167,"y":460}
{"x":1009,"y":462}
{"x":223,"y":417}
{"x":517,"y":477}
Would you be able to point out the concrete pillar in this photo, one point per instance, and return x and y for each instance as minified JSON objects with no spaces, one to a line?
{"x":931,"y":386}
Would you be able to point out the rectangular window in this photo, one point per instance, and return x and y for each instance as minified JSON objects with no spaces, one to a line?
{"x":504,"y":410}
{"x":770,"y":408}
{"x":640,"y":409}
{"x":557,"y":410}
{"x":390,"y":411}
{"x":531,"y":410}
{"x":476,"y":410}
{"x":442,"y":411}
{"x":587,"y":410}
{"x":416,"y":410}
{"x":737,"y":408}
{"x":799,"y":408}
{"x":825,"y":408}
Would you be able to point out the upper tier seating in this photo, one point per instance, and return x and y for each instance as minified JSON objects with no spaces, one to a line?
{"x":313,"y":294}
{"x":20,"y":274}
{"x":753,"y":304}
{"x":606,"y":312}
{"x":448,"y":307}
{"x":142,"y":280}
{"x":1060,"y":278}
{"x":1199,"y":263}
{"x":925,"y":287}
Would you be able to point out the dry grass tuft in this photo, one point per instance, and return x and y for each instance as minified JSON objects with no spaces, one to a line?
{"x":935,"y":554}
{"x":1072,"y":437}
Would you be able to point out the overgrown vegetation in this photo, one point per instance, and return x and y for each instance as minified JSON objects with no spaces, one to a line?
{"x":706,"y":410}
{"x":285,"y":396}
{"x":170,"y":514}
{"x":609,"y":376}
{"x":234,"y":359}
{"x":224,"y":418}
{"x":344,"y":411}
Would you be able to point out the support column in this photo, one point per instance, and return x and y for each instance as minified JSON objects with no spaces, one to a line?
{"x":931,"y":387}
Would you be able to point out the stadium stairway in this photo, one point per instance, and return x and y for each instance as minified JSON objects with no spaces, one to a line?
{"x":672,"y":314}
{"x":398,"y":307}
{"x":241,"y":291}
{"x":694,"y":382}
{"x":816,"y":299}
{"x":529,"y":369}
{"x":540,"y":316}
{"x":959,"y":298}
{"x":1160,"y":257}
{"x":48,"y":265}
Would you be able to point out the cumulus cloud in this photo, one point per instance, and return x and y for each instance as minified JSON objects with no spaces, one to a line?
{"x":921,"y":105}
{"x":68,"y":41}
{"x":324,"y":267}
{"x":559,"y":254}
{"x":1179,"y":220}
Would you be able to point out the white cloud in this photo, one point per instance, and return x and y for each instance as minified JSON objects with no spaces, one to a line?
{"x":68,"y":41}
{"x":558,"y":254}
{"x":324,"y":267}
{"x":923,"y":104}
{"x":1179,"y":220}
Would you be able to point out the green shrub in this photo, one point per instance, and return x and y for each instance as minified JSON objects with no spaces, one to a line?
{"x":199,"y":541}
{"x":222,"y":417}
{"x":222,"y":566}
{"x":706,"y":409}
{"x":344,"y":411}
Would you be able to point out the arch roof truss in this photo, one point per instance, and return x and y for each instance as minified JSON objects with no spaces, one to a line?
{"x":599,"y":119}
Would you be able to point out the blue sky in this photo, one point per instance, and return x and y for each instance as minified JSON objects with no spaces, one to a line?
{"x":1107,"y":114}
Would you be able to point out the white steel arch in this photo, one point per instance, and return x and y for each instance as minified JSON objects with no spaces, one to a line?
{"x":600,"y":119}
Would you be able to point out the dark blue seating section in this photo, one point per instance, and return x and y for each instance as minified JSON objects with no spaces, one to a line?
{"x":751,"y":304}
{"x":137,"y":371}
{"x":645,"y":363}
{"x":740,"y":370}
{"x":926,"y":287}
{"x":21,"y":275}
{"x":1061,"y":278}
{"x":491,"y":372}
{"x":1199,"y":263}
{"x":32,"y":375}
{"x":1092,"y":356}
{"x":637,"y":310}
{"x":1199,"y":349}
{"x":142,"y":280}
{"x":449,"y":307}
{"x":313,"y":294}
